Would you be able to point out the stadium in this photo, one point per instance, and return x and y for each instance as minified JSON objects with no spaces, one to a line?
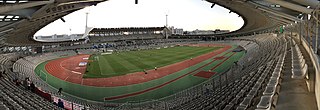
{"x":270,"y":63}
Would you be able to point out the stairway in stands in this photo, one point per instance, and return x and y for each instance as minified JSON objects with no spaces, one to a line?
{"x":294,"y":91}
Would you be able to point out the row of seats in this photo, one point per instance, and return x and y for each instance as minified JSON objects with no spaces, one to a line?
{"x":271,"y":91}
{"x":299,"y":66}
{"x":104,"y":38}
{"x":8,"y":59}
{"x":86,"y":51}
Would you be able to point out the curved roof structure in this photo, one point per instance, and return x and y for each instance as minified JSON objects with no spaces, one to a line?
{"x":265,"y":15}
{"x":20,"y":20}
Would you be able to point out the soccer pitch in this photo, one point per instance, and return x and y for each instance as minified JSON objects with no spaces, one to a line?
{"x":116,"y":64}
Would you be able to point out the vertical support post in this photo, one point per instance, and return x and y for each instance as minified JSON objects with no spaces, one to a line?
{"x":307,"y":32}
{"x":309,"y":35}
{"x":300,"y":32}
{"x":317,"y":32}
{"x":291,"y":35}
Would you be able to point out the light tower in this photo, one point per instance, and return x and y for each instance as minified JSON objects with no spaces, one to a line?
{"x":87,"y":29}
{"x":166,"y":20}
{"x":86,"y":22}
{"x":166,"y":27}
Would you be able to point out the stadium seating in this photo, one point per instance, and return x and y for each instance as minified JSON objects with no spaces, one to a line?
{"x":251,"y":84}
{"x":8,"y":59}
{"x":124,"y":37}
{"x":27,"y":65}
{"x":16,"y":97}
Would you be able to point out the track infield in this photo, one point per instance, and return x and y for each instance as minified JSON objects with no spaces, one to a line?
{"x":118,"y":64}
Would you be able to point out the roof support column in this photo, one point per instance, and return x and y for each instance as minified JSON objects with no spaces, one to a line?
{"x":317,"y":33}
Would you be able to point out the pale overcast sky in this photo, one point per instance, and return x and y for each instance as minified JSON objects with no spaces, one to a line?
{"x":186,"y":14}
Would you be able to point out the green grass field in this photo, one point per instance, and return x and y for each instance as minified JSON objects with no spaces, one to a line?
{"x":134,"y":61}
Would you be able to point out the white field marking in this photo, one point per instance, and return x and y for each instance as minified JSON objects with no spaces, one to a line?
{"x":75,"y":72}
{"x":98,"y":57}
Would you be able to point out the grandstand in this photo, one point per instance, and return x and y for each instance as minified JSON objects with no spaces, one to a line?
{"x":270,"y":63}
{"x":117,"y":34}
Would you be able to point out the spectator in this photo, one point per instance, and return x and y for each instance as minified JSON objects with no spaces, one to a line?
{"x":28,"y":82}
{"x":207,"y":91}
{"x":60,"y":103}
{"x":32,"y":87}
{"x":59,"y":91}
{"x":25,"y":83}
{"x":145,"y":71}
{"x":17,"y":82}
{"x":1,"y":74}
{"x":4,"y":72}
{"x":54,"y":103}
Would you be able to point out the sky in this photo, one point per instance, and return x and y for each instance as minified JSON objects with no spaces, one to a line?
{"x":186,"y":14}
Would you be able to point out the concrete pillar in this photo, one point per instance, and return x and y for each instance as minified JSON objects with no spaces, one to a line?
{"x":309,"y":35}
